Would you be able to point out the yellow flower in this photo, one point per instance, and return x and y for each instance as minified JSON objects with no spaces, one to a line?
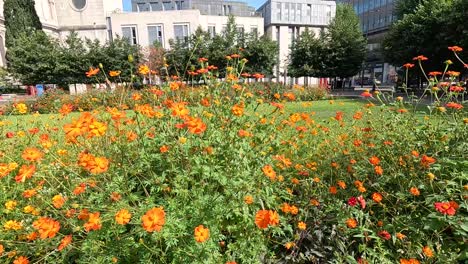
{"x":10,"y":205}
{"x":12,"y":225}
{"x":182,"y":140}
{"x":21,"y":108}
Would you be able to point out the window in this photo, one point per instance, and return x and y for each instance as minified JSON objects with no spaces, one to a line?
{"x":130,"y":33}
{"x":212,"y":30}
{"x":299,"y":12}
{"x":309,"y":12}
{"x":181,"y":32}
{"x":292,"y":12}
{"x":227,"y":10}
{"x":254,"y":30}
{"x":328,"y":11}
{"x":278,"y":11}
{"x":155,"y":34}
{"x":142,"y":7}
{"x":155,"y":6}
{"x":167,"y":5}
{"x":179,"y":4}
{"x":286,"y":11}
{"x":79,"y":4}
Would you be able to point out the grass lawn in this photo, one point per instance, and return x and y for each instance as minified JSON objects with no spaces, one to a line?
{"x":323,"y":109}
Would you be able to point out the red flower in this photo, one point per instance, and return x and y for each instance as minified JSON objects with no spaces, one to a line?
{"x":446,"y":208}
{"x":408,"y":65}
{"x":455,"y":49}
{"x":352,"y":201}
{"x":10,"y":134}
{"x":454,"y":106}
{"x":384,"y":235}
{"x":426,"y":161}
{"x":366,"y":94}
{"x":420,"y":58}
{"x":362,"y":202}
{"x":435,"y":73}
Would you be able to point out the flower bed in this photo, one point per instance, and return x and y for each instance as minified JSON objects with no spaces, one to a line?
{"x":227,"y":177}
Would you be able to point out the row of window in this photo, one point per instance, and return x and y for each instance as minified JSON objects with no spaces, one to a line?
{"x":298,"y":12}
{"x":362,"y":6}
{"x":181,"y":32}
{"x":376,"y":21}
{"x":160,"y":6}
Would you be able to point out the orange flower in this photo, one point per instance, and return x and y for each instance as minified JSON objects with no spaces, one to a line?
{"x":409,"y":261}
{"x":400,"y":236}
{"x":201,"y":234}
{"x":94,"y":222}
{"x":32,"y":154}
{"x":179,"y":109}
{"x":427,"y":251}
{"x":58,"y":201}
{"x":238,"y":109}
{"x":301,"y":225}
{"x":29,"y":193}
{"x":114,"y":73}
{"x":455,"y":49}
{"x":265,"y":218}
{"x":25,"y":172}
{"x":269,"y":172}
{"x":154,"y":219}
{"x":136,"y":96}
{"x":342,"y":184}
{"x":289,"y":245}
{"x":195,"y":125}
{"x":408,"y":65}
{"x":420,"y":58}
{"x":414,"y":191}
{"x":122,"y":217}
{"x":314,"y":202}
{"x":65,"y":242}
{"x":95,"y":165}
{"x":92,"y":71}
{"x":333,"y":190}
{"x":427,"y":161}
{"x":96,"y":129}
{"x":374,"y":160}
{"x":66,"y":109}
{"x":47,"y":227}
{"x":377,"y":197}
{"x":21,"y":260}
{"x":378,"y":170}
{"x":351,"y":223}
{"x":248,"y":199}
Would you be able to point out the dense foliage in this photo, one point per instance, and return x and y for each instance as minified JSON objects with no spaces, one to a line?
{"x":337,"y":52}
{"x":20,"y":18}
{"x":433,"y":26}
{"x":227,"y":174}
{"x":259,"y":51}
{"x":37,"y":58}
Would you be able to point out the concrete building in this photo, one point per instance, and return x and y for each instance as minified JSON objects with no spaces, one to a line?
{"x":285,"y":20}
{"x":206,"y":7}
{"x":375,"y":16}
{"x":89,"y":18}
{"x":144,"y":28}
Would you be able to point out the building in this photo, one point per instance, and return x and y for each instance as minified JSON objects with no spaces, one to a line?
{"x":144,"y":28}
{"x":285,"y":20}
{"x":206,"y":7}
{"x":375,"y":16}
{"x":89,"y":18}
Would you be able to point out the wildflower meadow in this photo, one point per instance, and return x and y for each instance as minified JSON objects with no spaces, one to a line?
{"x":231,"y":172}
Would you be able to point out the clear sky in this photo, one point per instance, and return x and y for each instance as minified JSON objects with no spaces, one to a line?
{"x":254,"y":3}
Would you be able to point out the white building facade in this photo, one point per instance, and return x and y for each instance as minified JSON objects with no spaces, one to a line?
{"x":146,"y":28}
{"x":285,"y":20}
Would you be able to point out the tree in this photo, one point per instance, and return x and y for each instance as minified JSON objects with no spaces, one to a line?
{"x":346,"y":47}
{"x":261,"y":53}
{"x":20,"y":18}
{"x":338,"y":52}
{"x":436,"y":25}
{"x":33,"y":58}
{"x":403,"y":7}
{"x":307,"y":53}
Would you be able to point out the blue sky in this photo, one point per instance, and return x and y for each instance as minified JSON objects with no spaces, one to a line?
{"x":255,"y":3}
